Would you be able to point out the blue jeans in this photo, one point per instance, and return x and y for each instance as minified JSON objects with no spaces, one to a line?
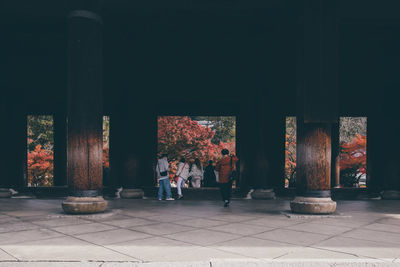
{"x":164,"y":186}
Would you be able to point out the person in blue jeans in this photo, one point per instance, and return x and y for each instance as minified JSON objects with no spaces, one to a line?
{"x":162,"y":170}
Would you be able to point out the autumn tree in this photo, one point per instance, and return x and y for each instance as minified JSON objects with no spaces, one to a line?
{"x":40,"y":167}
{"x":353,"y":160}
{"x":290,"y":151}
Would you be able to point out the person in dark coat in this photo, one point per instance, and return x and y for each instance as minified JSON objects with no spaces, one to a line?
{"x":209,"y":175}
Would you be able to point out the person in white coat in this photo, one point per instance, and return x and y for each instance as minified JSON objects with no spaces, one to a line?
{"x":182,"y":173}
{"x":197,"y":173}
{"x":162,"y":170}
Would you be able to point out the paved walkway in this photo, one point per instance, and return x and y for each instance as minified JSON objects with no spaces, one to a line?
{"x":34,"y":232}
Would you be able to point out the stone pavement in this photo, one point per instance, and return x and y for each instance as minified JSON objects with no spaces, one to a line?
{"x":148,"y":232}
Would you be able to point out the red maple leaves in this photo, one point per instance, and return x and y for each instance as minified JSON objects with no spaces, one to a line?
{"x":40,"y":167}
{"x":180,"y":136}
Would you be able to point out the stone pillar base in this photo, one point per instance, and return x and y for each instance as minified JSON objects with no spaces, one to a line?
{"x":390,"y":194}
{"x":313,"y":205}
{"x":263,"y":194}
{"x":5,"y":193}
{"x":132,"y":193}
{"x":84,"y":205}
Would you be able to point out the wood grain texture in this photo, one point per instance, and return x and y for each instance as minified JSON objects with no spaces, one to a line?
{"x":85,"y":114}
{"x":314,"y":156}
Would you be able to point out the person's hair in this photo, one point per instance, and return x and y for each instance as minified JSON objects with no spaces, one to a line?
{"x":197,"y":162}
{"x":225,"y":152}
{"x":210,"y":162}
{"x":163,"y":155}
{"x":183,"y":160}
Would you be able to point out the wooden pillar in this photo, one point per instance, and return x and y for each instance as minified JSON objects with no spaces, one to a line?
{"x":389,"y":145}
{"x":134,"y":147}
{"x":60,"y":149}
{"x":317,"y":108}
{"x":85,"y":113}
{"x":335,"y":172}
{"x":5,"y":181}
{"x":15,"y":160}
{"x":244,"y":143}
{"x":374,"y":156}
{"x":269,"y":147}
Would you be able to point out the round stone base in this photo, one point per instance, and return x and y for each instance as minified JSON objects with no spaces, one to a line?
{"x":263,"y":194}
{"x":391,"y":194}
{"x":84,"y":205}
{"x":312,"y":205}
{"x":5,"y":193}
{"x":132,"y":193}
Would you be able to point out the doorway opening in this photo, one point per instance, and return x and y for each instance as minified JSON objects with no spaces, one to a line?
{"x":196,"y":137}
{"x":40,"y":150}
{"x":290,"y":152}
{"x":353,"y":151}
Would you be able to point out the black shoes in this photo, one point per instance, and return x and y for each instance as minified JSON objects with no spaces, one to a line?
{"x":226,"y":204}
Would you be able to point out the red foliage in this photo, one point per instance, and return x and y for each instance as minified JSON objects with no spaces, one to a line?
{"x":354,"y":154}
{"x":106,"y":157}
{"x":40,"y":167}
{"x":180,"y":136}
{"x":290,"y":158}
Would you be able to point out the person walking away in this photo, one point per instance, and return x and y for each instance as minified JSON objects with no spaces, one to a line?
{"x":209,"y":175}
{"x":162,"y":170}
{"x":196,"y":173}
{"x":182,"y":173}
{"x":225,"y":167}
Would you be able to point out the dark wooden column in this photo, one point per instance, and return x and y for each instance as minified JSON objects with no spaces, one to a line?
{"x":269,"y":147}
{"x":389,"y":145}
{"x":374,"y":156}
{"x":317,"y":108}
{"x":60,"y":149}
{"x":5,"y":181}
{"x":15,"y":136}
{"x":85,"y":113}
{"x":134,"y":147}
{"x":335,"y":172}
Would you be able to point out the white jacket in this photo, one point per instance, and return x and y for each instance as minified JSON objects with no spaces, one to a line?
{"x":196,"y":172}
{"x":183,"y":170}
{"x":162,"y":165}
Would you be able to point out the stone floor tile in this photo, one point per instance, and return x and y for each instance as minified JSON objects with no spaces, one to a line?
{"x":25,"y":213}
{"x":203,"y":237}
{"x":131,"y":222}
{"x":275,"y":222}
{"x":112,"y":236}
{"x":389,"y":220}
{"x":255,"y":248}
{"x":208,"y":254}
{"x":62,"y":249}
{"x":60,"y":222}
{"x":5,"y":256}
{"x":78,"y":229}
{"x":319,"y":228}
{"x":292,"y":237}
{"x":241,"y":229}
{"x":162,"y":228}
{"x":201,"y":223}
{"x":373,"y":235}
{"x":139,"y":213}
{"x":18,"y":226}
{"x":153,"y":249}
{"x":169,"y":218}
{"x":28,"y":235}
{"x":361,"y":248}
{"x":349,"y":222}
{"x":232,"y":218}
{"x":306,"y":253}
{"x":113,"y":217}
{"x":383,"y":227}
